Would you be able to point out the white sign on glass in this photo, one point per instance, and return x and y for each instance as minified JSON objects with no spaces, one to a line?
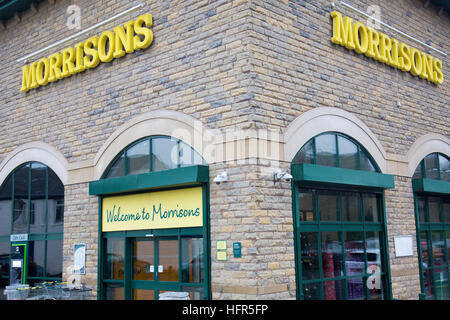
{"x":79,"y":258}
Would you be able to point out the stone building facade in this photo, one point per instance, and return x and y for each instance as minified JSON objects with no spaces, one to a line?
{"x":247,"y":82}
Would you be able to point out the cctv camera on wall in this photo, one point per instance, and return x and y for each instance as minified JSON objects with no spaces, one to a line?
{"x":280,"y":174}
{"x":221,"y":178}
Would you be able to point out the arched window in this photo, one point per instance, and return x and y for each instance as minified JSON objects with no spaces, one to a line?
{"x":335,"y":150}
{"x":432,"y":204}
{"x":340,"y":231}
{"x":166,"y":153}
{"x":434,"y":166}
{"x":32,"y":204}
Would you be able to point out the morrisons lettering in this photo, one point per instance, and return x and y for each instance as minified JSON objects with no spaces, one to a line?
{"x":377,"y":45}
{"x":134,"y":35}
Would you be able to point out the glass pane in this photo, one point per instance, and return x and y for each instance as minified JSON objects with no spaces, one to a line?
{"x":305,"y":155}
{"x":309,"y":252}
{"x":138,"y":159}
{"x":37,"y":207}
{"x":354,"y":253}
{"x":192,"y":260}
{"x":366,"y":163}
{"x":424,"y":249}
{"x":36,"y":258}
{"x":444,"y":166}
{"x":5,"y":207}
{"x":431,"y":166}
{"x":333,"y":290}
{"x":5,"y":249}
{"x":55,"y":203}
{"x":427,"y":282}
{"x":142,"y":294}
{"x":305,"y":204}
{"x":351,"y":206}
{"x":438,"y":245}
{"x":326,"y":150}
{"x":143,"y":260}
{"x":446,"y":207}
{"x":164,"y":154}
{"x":188,"y":156}
{"x":168,"y":260}
{"x":311,"y":291}
{"x":355,"y":288}
{"x":20,"y":219}
{"x":375,"y":285}
{"x":332,"y":255}
{"x":374,"y":267}
{"x":418,"y":173}
{"x":373,"y":251}
{"x":115,"y":259}
{"x":198,"y":159}
{"x":433,"y":209}
{"x":348,"y":154}
{"x":371,"y":209}
{"x":117,"y":169}
{"x":441,"y":283}
{"x":328,"y":206}
{"x":54,"y":258}
{"x":448,"y":247}
{"x":195,"y":293}
{"x":113,"y":291}
{"x":421,"y":208}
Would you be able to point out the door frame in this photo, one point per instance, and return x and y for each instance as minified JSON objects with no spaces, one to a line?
{"x":128,"y":236}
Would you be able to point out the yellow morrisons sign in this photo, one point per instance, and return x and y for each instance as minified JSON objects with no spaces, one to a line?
{"x":364,"y":40}
{"x":88,"y":54}
{"x":179,"y":208}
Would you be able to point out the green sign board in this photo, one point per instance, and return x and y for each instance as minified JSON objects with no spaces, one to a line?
{"x":237,"y":249}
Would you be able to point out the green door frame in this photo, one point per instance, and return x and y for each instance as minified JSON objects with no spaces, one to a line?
{"x":428,"y":228}
{"x":310,"y":176}
{"x":178,"y":178}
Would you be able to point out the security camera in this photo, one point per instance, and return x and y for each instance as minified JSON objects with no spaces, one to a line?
{"x":280,"y":174}
{"x":221,"y":178}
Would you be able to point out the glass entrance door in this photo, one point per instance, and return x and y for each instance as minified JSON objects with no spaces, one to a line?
{"x":143,"y":267}
{"x":155,"y":267}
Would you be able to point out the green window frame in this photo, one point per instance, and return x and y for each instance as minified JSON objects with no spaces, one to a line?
{"x":313,"y":153}
{"x":338,"y":184}
{"x":34,"y":200}
{"x":184,"y":172}
{"x":185,"y":156}
{"x":431,"y":186}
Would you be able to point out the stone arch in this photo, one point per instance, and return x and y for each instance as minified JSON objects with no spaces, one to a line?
{"x":35,"y":151}
{"x":323,"y":119}
{"x":423,"y":146}
{"x":162,"y":122}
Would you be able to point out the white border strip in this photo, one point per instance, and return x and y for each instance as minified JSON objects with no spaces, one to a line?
{"x":80,"y":33}
{"x":392,"y":28}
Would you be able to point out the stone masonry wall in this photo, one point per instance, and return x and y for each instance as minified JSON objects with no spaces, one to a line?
{"x":295,"y":68}
{"x":235,"y":65}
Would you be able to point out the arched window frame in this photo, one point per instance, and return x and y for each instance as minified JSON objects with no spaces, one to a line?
{"x":34,"y":235}
{"x":317,"y":180}
{"x":337,"y":156}
{"x":432,"y":216}
{"x":442,"y":173}
{"x":196,"y":158}
{"x":181,"y":175}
